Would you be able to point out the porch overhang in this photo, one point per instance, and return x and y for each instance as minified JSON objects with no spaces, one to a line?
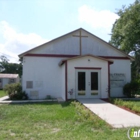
{"x":97,"y":57}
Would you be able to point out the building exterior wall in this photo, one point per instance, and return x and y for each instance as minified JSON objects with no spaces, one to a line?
{"x":49,"y":78}
{"x":46,"y":75}
{"x":83,"y":62}
{"x":120,"y":67}
{"x":63,"y":82}
{"x":5,"y":81}
{"x":17,"y":80}
{"x":70,"y":45}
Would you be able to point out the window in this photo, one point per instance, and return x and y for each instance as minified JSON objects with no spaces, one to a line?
{"x":81,"y":81}
{"x":29,"y":84}
{"x":11,"y":81}
{"x":94,"y":80}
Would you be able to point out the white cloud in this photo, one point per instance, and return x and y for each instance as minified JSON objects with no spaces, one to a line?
{"x":98,"y":19}
{"x":16,"y":43}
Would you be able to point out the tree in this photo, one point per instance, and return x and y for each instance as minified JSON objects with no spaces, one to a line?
{"x":6,"y":67}
{"x":126,"y":31}
{"x":3,"y":63}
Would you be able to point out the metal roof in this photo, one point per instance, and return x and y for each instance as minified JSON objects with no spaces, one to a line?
{"x":3,"y":75}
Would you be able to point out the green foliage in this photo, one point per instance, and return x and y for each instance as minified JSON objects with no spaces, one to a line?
{"x":48,"y":97}
{"x":126,"y":31}
{"x":85,"y":115}
{"x":118,"y":102}
{"x":3,"y":63}
{"x":51,"y":121}
{"x":6,"y":67}
{"x":2,"y":93}
{"x":15,"y":91}
{"x":132,"y":88}
{"x":132,"y":105}
{"x":136,"y":108}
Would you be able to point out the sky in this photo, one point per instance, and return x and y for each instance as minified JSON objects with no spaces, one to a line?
{"x":25,"y":24}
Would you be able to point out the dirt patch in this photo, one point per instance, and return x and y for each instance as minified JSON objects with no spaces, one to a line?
{"x":55,"y":130}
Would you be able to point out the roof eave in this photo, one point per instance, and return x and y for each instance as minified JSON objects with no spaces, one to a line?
{"x":131,"y":58}
{"x":63,"y":61}
{"x":22,"y":54}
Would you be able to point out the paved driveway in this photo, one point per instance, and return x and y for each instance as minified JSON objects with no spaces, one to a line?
{"x":115,"y":116}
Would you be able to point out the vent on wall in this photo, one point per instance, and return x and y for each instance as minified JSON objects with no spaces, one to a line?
{"x":34,"y":95}
{"x":29,"y":84}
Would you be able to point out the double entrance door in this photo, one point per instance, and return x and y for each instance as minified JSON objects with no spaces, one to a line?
{"x":88,"y":83}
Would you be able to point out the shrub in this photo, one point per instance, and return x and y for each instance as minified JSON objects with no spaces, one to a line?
{"x":15,"y":91}
{"x":83,"y":114}
{"x":127,"y":104}
{"x":118,"y":102}
{"x":132,"y":88}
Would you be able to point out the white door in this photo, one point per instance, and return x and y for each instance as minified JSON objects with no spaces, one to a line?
{"x":87,"y":83}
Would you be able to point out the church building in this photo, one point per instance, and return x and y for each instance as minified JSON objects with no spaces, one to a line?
{"x":75,"y":65}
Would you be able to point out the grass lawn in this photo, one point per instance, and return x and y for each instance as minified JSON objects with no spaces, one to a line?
{"x":132,"y":105}
{"x":2,"y":93}
{"x":54,"y":121}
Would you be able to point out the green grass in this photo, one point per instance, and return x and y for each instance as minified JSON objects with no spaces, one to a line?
{"x":2,"y":93}
{"x":132,"y":105}
{"x":53,"y":121}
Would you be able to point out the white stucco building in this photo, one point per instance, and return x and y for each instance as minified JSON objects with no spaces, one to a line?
{"x":75,"y":65}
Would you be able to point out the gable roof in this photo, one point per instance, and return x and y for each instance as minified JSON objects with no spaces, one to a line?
{"x":4,"y":75}
{"x":22,"y":54}
{"x":63,"y":61}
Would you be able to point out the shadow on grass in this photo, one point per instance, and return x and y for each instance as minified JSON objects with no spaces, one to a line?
{"x":45,"y":103}
{"x":63,"y":104}
{"x":67,"y":103}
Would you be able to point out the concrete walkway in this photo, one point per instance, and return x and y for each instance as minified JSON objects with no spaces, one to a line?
{"x":4,"y":98}
{"x":113,"y":115}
